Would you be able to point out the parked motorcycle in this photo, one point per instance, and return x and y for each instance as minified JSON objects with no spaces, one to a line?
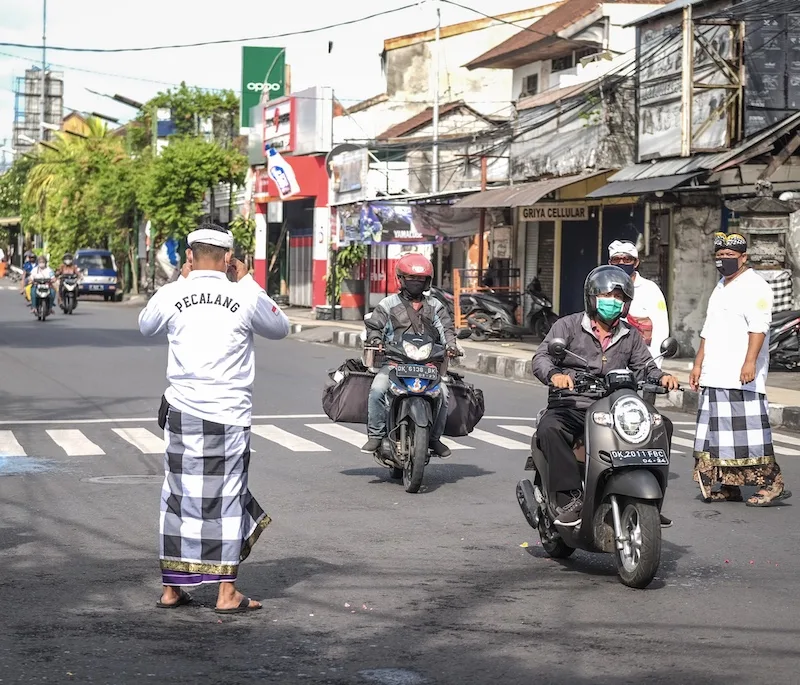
{"x":784,"y":340}
{"x":625,"y":453}
{"x":541,"y":316}
{"x":69,"y":293}
{"x":418,"y":364}
{"x":40,"y":294}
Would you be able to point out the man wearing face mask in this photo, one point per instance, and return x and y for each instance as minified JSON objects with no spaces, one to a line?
{"x":733,"y":443}
{"x":410,"y":309}
{"x":648,"y":311}
{"x":600,"y":336}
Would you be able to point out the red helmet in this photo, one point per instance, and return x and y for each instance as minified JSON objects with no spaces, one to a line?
{"x":415,"y":265}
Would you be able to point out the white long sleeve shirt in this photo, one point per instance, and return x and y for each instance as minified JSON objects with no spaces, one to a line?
{"x":648,"y":314}
{"x":210,"y":322}
{"x":734,"y":311}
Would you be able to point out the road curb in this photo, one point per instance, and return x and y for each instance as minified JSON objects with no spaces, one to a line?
{"x":514,"y":368}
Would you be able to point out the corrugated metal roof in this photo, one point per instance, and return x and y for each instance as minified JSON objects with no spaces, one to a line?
{"x":715,"y":161}
{"x":522,"y":195}
{"x":640,"y":186}
{"x":669,"y":8}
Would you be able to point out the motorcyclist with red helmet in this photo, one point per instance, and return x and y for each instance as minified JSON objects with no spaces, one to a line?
{"x":396,"y":313}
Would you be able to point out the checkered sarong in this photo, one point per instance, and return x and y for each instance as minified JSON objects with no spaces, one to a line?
{"x":733,"y":428}
{"x":209,"y":519}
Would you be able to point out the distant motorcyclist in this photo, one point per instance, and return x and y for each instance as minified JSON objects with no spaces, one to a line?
{"x":396,"y":314}
{"x":43,"y":272}
{"x":29,"y":262}
{"x":67,"y":268}
{"x":600,"y":336}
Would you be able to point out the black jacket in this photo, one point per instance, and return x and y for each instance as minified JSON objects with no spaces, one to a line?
{"x":627,"y":350}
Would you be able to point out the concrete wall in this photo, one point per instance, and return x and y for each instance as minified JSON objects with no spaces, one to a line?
{"x":693,"y":274}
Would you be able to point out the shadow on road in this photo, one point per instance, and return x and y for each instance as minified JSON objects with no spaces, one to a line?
{"x":436,"y":475}
{"x":50,"y":334}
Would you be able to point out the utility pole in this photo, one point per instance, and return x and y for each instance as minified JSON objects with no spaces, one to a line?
{"x":44,"y":68}
{"x":482,"y":231}
{"x":435,"y":171}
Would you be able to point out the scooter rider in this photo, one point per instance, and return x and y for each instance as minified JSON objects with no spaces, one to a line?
{"x":398,"y":313}
{"x":67,"y":268}
{"x":607,"y":343}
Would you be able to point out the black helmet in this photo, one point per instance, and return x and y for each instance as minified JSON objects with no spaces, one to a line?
{"x":606,"y":279}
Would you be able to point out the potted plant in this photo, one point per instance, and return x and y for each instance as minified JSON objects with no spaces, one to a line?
{"x":344,"y":263}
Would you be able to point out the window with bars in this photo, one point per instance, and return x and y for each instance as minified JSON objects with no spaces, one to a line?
{"x":530,"y":85}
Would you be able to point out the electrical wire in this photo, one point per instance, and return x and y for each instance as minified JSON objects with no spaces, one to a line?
{"x":286,"y":34}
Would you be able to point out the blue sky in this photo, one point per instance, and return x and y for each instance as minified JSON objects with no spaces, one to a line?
{"x":353,"y":68}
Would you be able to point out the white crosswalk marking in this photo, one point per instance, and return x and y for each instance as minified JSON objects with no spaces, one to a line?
{"x":341,"y":432}
{"x":75,"y":443}
{"x":142,"y":439}
{"x":9,"y":447}
{"x":782,"y":437}
{"x":782,"y":451}
{"x":683,"y":442}
{"x":498,"y":440}
{"x":288,"y":440}
{"x":527,"y":431}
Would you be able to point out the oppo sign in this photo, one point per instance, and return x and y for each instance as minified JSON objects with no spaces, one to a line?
{"x":258,"y":87}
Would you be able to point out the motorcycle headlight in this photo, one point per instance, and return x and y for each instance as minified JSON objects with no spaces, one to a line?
{"x":632,"y":420}
{"x":417,"y":353}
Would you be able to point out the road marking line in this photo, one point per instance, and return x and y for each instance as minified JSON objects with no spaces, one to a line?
{"x":684,"y":423}
{"x":786,"y":438}
{"x":453,"y":445}
{"x":9,"y":447}
{"x":498,"y":440}
{"x":145,"y":419}
{"x":75,"y":443}
{"x":527,"y":431}
{"x":337,"y":431}
{"x":683,"y":442}
{"x":142,"y":439}
{"x":511,"y":418}
{"x":288,"y":440}
{"x":785,"y":451}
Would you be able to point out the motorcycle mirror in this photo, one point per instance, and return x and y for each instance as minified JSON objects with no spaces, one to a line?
{"x":669,"y":348}
{"x":464,"y":333}
{"x":557,"y":348}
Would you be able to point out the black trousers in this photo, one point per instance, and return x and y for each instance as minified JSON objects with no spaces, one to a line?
{"x":556,"y":434}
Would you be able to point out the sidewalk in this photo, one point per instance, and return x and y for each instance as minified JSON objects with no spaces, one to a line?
{"x":512,"y":359}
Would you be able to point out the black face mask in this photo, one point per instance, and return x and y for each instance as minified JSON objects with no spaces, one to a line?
{"x":727,"y":266}
{"x":414,"y":289}
{"x":627,"y":268}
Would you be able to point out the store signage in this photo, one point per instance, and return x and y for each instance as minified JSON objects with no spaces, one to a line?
{"x":555,"y":212}
{"x":279,"y":125}
{"x":262,"y":69}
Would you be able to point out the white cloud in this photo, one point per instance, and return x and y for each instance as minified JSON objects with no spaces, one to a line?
{"x":353,"y":68}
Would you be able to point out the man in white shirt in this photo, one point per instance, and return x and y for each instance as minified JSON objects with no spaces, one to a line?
{"x":733,"y":444}
{"x":209,"y":520}
{"x":648,"y":312}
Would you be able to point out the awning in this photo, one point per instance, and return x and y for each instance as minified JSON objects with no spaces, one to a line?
{"x":10,"y":221}
{"x":642,"y":186}
{"x":522,"y":195}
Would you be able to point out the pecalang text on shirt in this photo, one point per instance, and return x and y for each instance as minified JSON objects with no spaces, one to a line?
{"x":203,"y":298}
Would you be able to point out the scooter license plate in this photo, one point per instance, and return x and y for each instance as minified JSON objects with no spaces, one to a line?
{"x":426,"y":373}
{"x":639,"y":457}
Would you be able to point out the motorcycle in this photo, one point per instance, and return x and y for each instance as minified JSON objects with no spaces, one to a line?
{"x":40,"y":294}
{"x":418,"y":365}
{"x":69,"y":293}
{"x":541,"y":316}
{"x":784,"y":340}
{"x":625,"y":456}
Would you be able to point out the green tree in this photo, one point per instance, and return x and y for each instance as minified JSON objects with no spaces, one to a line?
{"x":12,"y":186}
{"x":175,"y":182}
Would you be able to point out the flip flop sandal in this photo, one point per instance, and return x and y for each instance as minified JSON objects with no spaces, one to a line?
{"x":244,"y":607}
{"x":762,"y":501}
{"x":183,"y":599}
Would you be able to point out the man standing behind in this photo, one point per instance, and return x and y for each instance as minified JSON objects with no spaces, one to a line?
{"x":733,"y":445}
{"x":648,"y":312}
{"x":209,"y":520}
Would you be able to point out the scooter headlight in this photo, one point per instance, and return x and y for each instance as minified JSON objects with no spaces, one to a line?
{"x":417,"y":353}
{"x":632,"y":420}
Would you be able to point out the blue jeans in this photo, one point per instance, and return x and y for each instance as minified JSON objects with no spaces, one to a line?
{"x":379,"y":405}
{"x":34,"y":299}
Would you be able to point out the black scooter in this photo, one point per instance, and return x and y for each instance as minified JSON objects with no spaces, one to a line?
{"x":784,"y":340}
{"x":625,"y":451}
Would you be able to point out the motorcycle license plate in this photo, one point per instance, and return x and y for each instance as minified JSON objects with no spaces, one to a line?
{"x":639,"y":457}
{"x":426,"y":373}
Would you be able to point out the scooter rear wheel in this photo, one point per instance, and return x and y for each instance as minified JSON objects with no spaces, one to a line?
{"x":639,"y":559}
{"x":553,"y":544}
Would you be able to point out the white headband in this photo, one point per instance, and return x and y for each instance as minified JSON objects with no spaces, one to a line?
{"x":623,"y":247}
{"x":210,"y":236}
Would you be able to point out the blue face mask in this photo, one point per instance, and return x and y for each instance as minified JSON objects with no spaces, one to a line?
{"x":609,"y":308}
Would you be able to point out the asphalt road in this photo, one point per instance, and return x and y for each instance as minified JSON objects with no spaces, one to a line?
{"x":361,"y":582}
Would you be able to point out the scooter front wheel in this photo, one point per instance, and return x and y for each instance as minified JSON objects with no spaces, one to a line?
{"x":640,"y":556}
{"x":414,"y":468}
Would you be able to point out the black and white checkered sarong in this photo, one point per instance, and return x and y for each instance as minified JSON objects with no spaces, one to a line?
{"x":209,"y":520}
{"x":733,"y":428}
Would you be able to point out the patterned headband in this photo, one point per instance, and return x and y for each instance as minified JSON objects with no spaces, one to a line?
{"x":734,"y":241}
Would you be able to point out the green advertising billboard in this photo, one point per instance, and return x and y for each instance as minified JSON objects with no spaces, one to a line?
{"x":261,"y":68}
